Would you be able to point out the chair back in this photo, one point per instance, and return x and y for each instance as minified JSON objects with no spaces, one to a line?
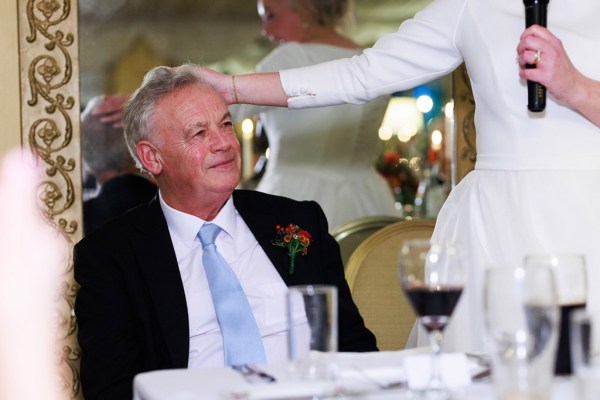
{"x":353,"y":233}
{"x":372,"y":274}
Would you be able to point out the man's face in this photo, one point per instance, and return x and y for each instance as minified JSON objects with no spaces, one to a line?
{"x":197,"y":149}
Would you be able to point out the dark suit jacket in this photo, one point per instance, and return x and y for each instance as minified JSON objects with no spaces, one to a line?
{"x":131,"y":307}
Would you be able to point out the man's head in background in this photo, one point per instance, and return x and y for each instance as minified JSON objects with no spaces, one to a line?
{"x":104,"y":149}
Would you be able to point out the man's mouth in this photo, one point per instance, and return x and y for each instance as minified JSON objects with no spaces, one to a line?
{"x":222,"y":164}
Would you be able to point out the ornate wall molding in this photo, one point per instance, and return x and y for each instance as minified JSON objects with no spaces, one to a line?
{"x":464,"y":113}
{"x":48,"y":33}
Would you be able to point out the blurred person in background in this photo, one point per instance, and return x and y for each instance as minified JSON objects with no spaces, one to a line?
{"x":121,"y":186}
{"x":327,"y":154}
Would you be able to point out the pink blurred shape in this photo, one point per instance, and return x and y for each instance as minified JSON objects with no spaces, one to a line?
{"x":32,"y":257}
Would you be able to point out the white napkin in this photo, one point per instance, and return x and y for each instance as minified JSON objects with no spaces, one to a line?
{"x":361,"y":373}
{"x":285,"y":390}
{"x":379,"y":369}
{"x":454,"y":367}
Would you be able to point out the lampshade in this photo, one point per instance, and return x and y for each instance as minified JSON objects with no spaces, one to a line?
{"x":402,"y":118}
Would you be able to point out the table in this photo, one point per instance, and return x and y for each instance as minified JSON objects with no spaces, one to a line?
{"x":226,"y":384}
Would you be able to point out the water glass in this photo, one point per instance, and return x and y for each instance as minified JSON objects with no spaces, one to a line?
{"x":585,"y":351}
{"x":521,"y":317}
{"x":571,"y":291}
{"x":312,"y":331}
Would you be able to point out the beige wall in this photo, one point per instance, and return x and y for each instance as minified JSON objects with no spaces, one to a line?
{"x":10,"y":111}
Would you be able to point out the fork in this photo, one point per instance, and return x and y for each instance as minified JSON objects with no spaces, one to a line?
{"x":253,"y":374}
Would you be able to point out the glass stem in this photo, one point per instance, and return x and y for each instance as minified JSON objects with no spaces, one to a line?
{"x":435,"y":342}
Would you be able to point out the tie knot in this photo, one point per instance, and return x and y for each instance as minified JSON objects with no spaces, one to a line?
{"x":208,"y":233}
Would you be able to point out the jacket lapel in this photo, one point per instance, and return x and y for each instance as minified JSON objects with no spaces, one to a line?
{"x":158,"y":264}
{"x":263,"y":222}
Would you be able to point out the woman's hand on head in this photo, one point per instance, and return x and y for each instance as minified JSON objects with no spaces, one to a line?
{"x":262,"y":88}
{"x":222,"y":83}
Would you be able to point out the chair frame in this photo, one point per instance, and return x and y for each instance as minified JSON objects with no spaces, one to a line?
{"x":358,"y":262}
{"x":366,"y":223}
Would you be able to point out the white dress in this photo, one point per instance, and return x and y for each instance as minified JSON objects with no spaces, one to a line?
{"x":536,"y":183}
{"x":325,"y":154}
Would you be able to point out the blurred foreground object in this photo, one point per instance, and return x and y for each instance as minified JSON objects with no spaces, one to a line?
{"x":32,"y":257}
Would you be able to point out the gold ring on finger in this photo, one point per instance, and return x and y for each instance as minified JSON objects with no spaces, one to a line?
{"x":538,"y":57}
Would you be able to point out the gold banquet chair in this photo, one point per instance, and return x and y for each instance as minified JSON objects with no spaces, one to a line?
{"x":372,"y":274}
{"x":353,"y":233}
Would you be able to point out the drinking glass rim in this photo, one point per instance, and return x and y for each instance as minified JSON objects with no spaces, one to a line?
{"x":492,"y":268}
{"x":313,"y":289}
{"x":495,"y":269}
{"x":563,"y":256}
{"x":564,"y":265}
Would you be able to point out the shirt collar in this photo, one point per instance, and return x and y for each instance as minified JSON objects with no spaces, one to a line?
{"x":186,"y":226}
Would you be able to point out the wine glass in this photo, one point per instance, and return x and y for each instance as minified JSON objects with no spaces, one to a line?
{"x":432,"y":277}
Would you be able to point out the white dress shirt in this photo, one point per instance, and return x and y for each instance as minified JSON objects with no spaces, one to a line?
{"x":261,"y":282}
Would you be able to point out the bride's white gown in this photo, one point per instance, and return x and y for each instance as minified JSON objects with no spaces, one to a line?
{"x":536,"y":186}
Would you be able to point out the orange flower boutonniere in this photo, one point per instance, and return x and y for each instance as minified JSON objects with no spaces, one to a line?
{"x":294,"y":239}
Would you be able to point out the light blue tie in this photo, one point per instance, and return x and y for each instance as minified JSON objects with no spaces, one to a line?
{"x":242,"y":343}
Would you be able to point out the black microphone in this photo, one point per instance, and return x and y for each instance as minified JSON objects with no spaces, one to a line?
{"x":535,"y":14}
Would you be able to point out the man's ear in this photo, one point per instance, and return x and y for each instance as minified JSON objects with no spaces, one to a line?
{"x":149,"y":156}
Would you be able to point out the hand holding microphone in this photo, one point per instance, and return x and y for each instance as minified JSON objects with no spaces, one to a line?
{"x":536,"y":14}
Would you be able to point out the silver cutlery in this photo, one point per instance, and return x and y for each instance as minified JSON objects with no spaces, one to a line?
{"x":483,"y":361}
{"x":253,"y":374}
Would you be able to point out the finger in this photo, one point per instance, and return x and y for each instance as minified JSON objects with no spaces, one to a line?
{"x":536,"y":31}
{"x":531,"y":43}
{"x":110,"y":118}
{"x":110,"y":104}
{"x":528,"y":58}
{"x":539,"y":38}
{"x":530,"y":74}
{"x":537,"y":57}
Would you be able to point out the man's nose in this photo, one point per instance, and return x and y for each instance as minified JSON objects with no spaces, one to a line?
{"x":220,"y":141}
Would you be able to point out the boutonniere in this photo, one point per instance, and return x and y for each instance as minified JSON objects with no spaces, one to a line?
{"x":294,"y":239}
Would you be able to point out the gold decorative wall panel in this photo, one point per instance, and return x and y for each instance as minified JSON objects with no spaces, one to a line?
{"x":48,"y":46}
{"x":464,"y":113}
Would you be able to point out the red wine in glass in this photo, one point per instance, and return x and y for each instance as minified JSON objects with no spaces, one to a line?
{"x":563,"y":353}
{"x":433,"y":304}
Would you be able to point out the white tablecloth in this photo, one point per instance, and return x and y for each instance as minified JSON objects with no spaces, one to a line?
{"x":358,"y":372}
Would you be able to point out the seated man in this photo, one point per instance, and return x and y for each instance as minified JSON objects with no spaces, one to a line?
{"x":107,"y":159}
{"x":147,"y":299}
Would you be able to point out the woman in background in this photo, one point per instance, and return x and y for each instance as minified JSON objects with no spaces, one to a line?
{"x":325,"y":154}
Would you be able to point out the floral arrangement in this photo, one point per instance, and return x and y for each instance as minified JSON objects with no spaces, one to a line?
{"x":294,"y":239}
{"x":399,"y":175}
